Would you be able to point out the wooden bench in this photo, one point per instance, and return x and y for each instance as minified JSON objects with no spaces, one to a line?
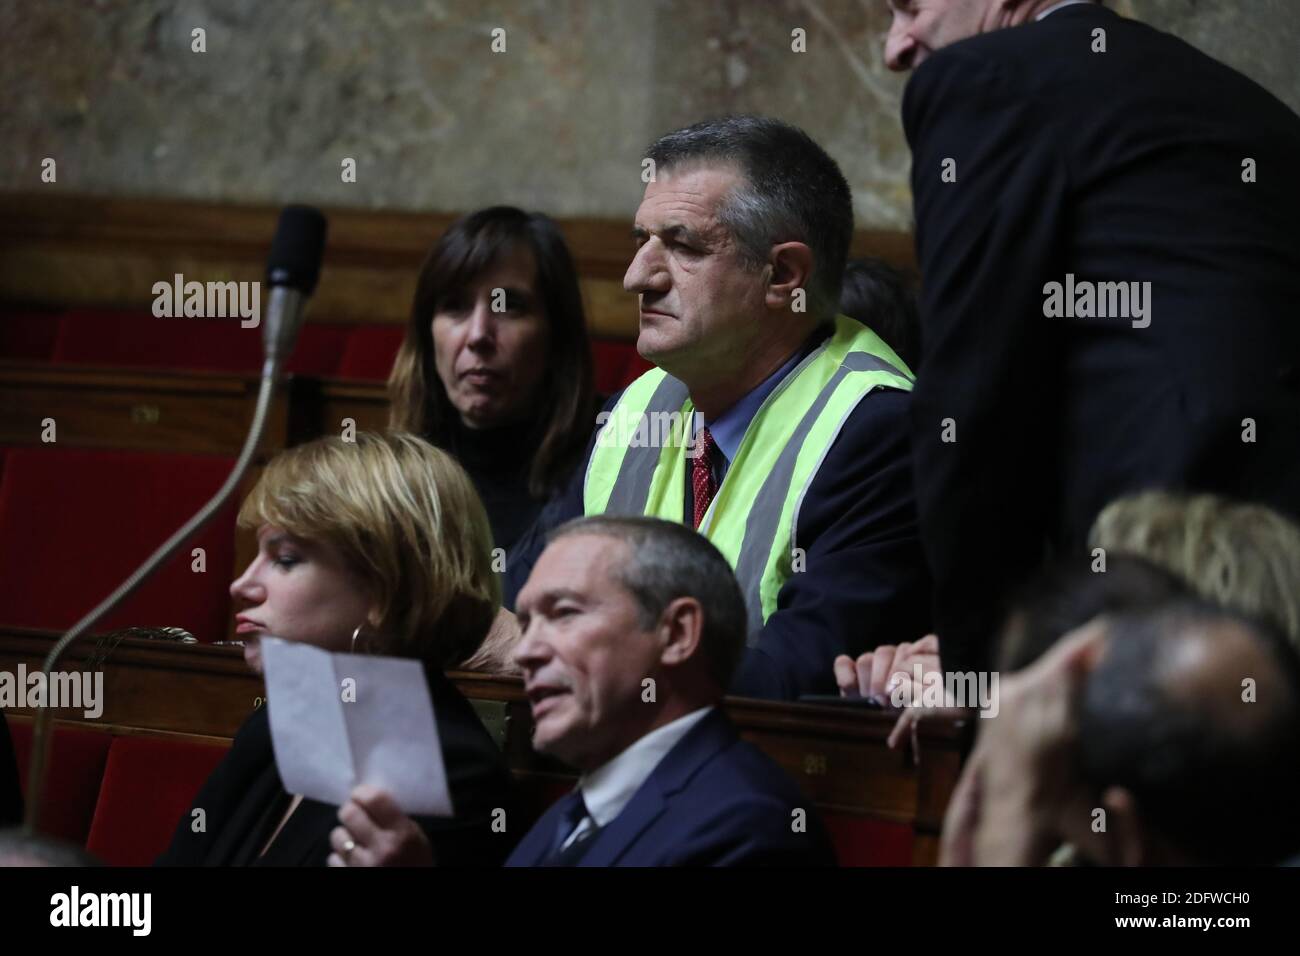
{"x":866,"y":791}
{"x":205,"y":413}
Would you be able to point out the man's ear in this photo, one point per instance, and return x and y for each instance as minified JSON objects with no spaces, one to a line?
{"x":680,"y":627}
{"x":789,"y":268}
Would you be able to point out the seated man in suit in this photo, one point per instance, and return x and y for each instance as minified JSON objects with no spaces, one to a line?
{"x":771,"y":423}
{"x":632,"y":628}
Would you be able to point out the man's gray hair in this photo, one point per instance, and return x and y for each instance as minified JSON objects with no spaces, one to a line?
{"x":667,"y":561}
{"x":793,"y":192}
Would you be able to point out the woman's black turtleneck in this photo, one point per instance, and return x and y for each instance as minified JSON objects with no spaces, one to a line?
{"x":498,"y":461}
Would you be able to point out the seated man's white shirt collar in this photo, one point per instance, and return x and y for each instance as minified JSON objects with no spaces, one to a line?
{"x":608,"y":788}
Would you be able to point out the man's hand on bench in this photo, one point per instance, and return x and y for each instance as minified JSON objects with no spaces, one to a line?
{"x":880,"y":674}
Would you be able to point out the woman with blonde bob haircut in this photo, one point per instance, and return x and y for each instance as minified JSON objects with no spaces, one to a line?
{"x":1242,"y":556}
{"x":407,"y":522}
{"x":377,"y":546}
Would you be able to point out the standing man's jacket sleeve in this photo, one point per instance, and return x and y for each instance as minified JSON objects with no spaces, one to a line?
{"x":986,"y":243}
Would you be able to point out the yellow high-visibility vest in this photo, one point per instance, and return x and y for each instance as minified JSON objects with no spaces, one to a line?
{"x":638,"y":465}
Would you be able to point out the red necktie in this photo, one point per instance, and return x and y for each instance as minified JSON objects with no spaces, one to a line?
{"x":703,"y":483}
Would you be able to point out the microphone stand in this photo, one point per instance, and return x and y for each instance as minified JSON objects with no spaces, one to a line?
{"x":41,"y":728}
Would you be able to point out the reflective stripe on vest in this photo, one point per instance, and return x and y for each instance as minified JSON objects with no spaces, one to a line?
{"x":638,"y":464}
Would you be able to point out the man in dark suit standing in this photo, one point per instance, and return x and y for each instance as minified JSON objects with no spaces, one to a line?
{"x":632,"y":628}
{"x":1106,"y":227}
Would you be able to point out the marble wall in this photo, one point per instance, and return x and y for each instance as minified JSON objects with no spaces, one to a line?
{"x":413,"y":91}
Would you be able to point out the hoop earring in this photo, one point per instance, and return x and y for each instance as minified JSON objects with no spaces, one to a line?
{"x":354,"y":638}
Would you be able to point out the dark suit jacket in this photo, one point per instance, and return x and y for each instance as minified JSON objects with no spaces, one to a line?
{"x":714,"y":800}
{"x":244,"y":800}
{"x":1125,"y":166}
{"x":864,"y":583}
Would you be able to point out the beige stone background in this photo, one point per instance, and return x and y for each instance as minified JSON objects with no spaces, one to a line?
{"x":438,"y":122}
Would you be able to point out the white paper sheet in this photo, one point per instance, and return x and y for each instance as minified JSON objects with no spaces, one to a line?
{"x":326,"y":742}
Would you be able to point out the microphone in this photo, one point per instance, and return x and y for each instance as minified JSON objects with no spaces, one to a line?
{"x":291,"y":273}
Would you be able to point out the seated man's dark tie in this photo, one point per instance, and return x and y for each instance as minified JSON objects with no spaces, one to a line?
{"x":573,"y":812}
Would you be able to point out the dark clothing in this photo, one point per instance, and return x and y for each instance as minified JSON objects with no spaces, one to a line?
{"x":864,"y":582}
{"x":714,"y":800}
{"x":11,"y":795}
{"x":498,"y":461}
{"x":244,"y":800}
{"x":1123,"y":166}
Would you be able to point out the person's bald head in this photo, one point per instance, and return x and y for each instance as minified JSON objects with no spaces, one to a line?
{"x":1204,"y":664}
{"x":1189,"y":736}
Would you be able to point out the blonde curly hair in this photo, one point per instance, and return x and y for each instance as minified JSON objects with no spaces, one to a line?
{"x":1245,"y":557}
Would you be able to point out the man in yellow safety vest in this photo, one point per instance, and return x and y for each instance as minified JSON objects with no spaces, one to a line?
{"x":772,"y":424}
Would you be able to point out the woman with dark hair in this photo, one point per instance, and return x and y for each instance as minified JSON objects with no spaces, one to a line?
{"x":496,"y":366}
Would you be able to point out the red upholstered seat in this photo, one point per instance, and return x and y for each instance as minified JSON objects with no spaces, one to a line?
{"x":100,"y":337}
{"x":74,"y":523}
{"x":28,"y":335}
{"x":149,"y":784}
{"x":636,"y":367}
{"x":370,"y":351}
{"x":608,"y":359}
{"x":319,"y":349}
{"x":76,"y":765}
{"x":139,"y":339}
{"x":864,"y":841}
{"x":617,"y":364}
